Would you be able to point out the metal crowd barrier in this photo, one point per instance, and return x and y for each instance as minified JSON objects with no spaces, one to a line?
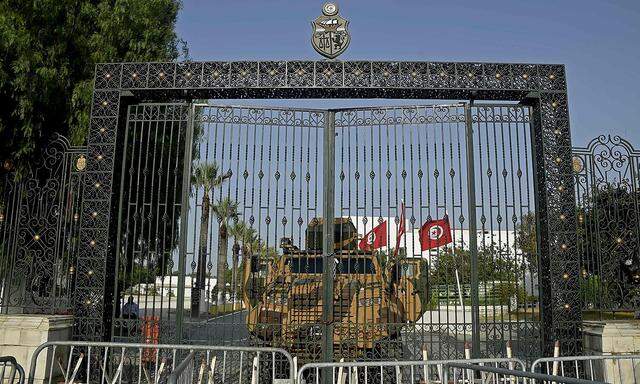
{"x":274,"y":371}
{"x":111,"y":363}
{"x":9,"y":369}
{"x":615,"y":369}
{"x":471,"y":373}
{"x":183,"y":373}
{"x":421,"y":371}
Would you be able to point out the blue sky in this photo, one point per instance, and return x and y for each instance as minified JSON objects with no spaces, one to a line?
{"x":598,"y":41}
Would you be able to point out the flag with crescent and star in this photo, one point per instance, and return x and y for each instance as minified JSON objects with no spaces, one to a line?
{"x":435,"y":233}
{"x":375,"y":238}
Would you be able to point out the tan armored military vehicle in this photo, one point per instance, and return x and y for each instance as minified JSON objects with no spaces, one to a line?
{"x":373,"y":296}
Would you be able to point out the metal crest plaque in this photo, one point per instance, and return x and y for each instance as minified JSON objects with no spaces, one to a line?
{"x":330,"y":35}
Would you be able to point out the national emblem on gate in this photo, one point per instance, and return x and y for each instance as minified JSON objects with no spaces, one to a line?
{"x":330,"y":35}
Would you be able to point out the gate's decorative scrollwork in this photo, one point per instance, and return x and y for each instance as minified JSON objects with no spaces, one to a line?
{"x":39,"y":232}
{"x":608,"y":199}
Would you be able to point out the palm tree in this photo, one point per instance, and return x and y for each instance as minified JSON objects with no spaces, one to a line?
{"x":225,"y":210}
{"x":206,"y":176}
{"x":237,"y":231}
{"x":249,"y":240}
{"x":252,"y":244}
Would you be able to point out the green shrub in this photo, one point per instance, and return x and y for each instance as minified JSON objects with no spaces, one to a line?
{"x":505,"y":290}
{"x":591,"y":291}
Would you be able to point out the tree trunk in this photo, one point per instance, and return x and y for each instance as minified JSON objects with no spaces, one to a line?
{"x":222,"y":263}
{"x":243,"y":284}
{"x":200,"y":283}
{"x":234,"y":271}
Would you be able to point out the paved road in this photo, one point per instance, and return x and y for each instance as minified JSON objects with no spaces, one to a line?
{"x":229,"y":329}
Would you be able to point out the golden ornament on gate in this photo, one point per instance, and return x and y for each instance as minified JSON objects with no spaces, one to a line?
{"x":81,"y":163}
{"x":578,"y":164}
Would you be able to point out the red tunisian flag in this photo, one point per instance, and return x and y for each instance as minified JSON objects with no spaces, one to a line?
{"x":435,"y":233}
{"x":376,"y":238}
{"x":401,"y":230}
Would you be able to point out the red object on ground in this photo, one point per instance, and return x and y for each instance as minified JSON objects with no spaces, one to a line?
{"x":151,"y":334}
{"x":435,"y":233}
{"x":376,"y":238}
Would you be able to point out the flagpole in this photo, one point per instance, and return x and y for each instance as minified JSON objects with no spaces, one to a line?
{"x":446,"y":214}
{"x":459,"y":290}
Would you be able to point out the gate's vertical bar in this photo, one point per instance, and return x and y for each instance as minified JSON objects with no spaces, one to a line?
{"x":184,"y":219}
{"x":473,"y":233}
{"x":123,"y":172}
{"x":327,"y":230}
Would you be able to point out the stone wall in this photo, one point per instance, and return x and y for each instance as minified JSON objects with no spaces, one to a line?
{"x":619,"y":337}
{"x":20,"y":335}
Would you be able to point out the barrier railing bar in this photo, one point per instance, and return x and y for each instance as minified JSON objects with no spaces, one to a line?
{"x":173,"y":377}
{"x":174,"y":348}
{"x":403,"y":363}
{"x":14,"y":368}
{"x":584,"y":358}
{"x":366,"y":365}
{"x":524,"y":374}
{"x":589,"y":368}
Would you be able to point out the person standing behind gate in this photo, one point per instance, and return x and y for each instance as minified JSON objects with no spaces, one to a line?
{"x":130,"y":310}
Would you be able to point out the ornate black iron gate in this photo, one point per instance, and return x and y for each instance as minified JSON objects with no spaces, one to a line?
{"x":434,"y":160}
{"x":501,"y":194}
{"x":153,"y":182}
{"x":607,"y":183}
{"x":270,"y":251}
{"x":39,"y":231}
{"x":257,"y":185}
{"x":541,"y":87}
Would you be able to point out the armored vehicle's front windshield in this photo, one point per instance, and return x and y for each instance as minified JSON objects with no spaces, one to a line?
{"x":345,"y":265}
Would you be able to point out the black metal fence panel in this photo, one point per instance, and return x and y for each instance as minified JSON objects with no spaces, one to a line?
{"x":508,"y":260}
{"x":607,"y":183}
{"x":257,"y":188}
{"x":40,"y":209}
{"x":407,"y":169}
{"x":146,"y":303}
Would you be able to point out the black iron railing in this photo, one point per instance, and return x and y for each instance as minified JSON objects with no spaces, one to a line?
{"x":40,"y":212}
{"x":607,"y":185}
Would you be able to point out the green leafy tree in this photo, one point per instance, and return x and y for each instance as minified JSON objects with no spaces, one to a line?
{"x":206,"y":176}
{"x":421,"y":284}
{"x":495,"y":263}
{"x":252,"y":285}
{"x":49,"y":49}
{"x":504,"y":291}
{"x":526,"y":241}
